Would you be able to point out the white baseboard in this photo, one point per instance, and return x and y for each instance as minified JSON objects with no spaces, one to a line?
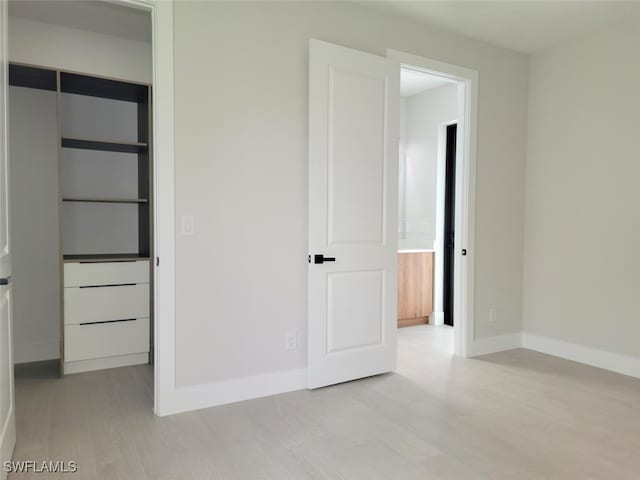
{"x":223,"y":392}
{"x":79,"y":366}
{"x":36,"y":352}
{"x":235,"y":390}
{"x":589,"y":356}
{"x":499,"y":343}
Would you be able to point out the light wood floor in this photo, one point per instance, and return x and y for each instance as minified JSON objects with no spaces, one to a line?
{"x":515,"y":415}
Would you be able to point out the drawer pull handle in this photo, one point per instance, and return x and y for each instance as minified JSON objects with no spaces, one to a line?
{"x":110,"y":285}
{"x":110,"y":321}
{"x":108,"y":261}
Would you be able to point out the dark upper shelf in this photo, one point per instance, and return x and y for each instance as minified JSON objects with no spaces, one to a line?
{"x":103,"y":87}
{"x":86,"y":144}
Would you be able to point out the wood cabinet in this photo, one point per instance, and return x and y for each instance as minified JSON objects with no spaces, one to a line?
{"x":415,"y":288}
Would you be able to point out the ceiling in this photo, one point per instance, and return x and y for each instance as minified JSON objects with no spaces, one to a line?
{"x":413,"y":82}
{"x":525,"y":26}
{"x":95,"y":16}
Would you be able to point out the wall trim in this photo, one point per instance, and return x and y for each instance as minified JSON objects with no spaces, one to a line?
{"x":164,"y":233}
{"x":36,"y":351}
{"x":498,"y":343}
{"x":594,"y":357}
{"x":79,"y":366}
{"x":235,"y":390}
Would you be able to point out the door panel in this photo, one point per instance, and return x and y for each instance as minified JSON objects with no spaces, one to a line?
{"x":356,"y":169}
{"x":7,"y":410}
{"x":5,"y":253}
{"x":355,"y":302}
{"x":6,"y":374}
{"x":353,"y":161}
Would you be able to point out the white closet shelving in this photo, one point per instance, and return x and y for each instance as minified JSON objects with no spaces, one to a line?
{"x":105,"y":197}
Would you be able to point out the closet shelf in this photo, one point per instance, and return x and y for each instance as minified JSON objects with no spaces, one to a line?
{"x":104,"y":200}
{"x":86,"y":144}
{"x":104,"y":257}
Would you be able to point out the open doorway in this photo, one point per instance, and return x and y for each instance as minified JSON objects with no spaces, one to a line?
{"x":426,"y":230}
{"x":82,"y":198}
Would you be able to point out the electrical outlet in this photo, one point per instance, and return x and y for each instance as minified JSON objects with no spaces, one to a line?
{"x":291,"y":340}
{"x":493,"y":315}
{"x":186,"y":225}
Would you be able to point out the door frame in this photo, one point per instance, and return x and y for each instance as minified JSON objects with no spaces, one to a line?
{"x":464,"y":268}
{"x":161,"y":13}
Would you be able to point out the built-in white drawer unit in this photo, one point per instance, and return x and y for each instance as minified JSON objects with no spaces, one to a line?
{"x":78,"y":274}
{"x":106,"y":313}
{"x":101,"y":340}
{"x":90,"y":304}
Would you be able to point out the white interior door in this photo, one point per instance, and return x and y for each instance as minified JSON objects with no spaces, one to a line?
{"x":354,"y":115}
{"x":7,"y":411}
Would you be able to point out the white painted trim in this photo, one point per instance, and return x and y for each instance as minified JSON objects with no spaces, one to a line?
{"x":499,"y":343}
{"x":614,"y":362}
{"x":464,"y":269}
{"x":36,"y":351}
{"x":91,"y":364}
{"x":236,"y":390}
{"x":164,"y":208}
{"x":438,"y":318}
{"x":164,"y":198}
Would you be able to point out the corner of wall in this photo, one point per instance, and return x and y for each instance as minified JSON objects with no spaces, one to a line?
{"x":498,"y":343}
{"x":234,"y":390}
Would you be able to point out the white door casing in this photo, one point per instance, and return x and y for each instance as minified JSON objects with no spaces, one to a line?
{"x":353,"y":196}
{"x":7,"y":410}
{"x":467,"y":117}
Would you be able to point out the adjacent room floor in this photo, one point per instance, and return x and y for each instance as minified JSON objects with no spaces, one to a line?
{"x":513,"y":415}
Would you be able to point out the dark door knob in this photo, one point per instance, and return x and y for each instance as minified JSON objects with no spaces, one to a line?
{"x":319,"y":258}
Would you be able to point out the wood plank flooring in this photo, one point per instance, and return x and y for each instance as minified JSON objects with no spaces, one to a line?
{"x":513,"y":415}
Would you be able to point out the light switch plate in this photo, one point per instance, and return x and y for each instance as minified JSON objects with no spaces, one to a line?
{"x":186,"y":225}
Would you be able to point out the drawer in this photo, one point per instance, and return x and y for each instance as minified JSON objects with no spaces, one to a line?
{"x":105,"y":273}
{"x":98,"y":340}
{"x":102,"y":304}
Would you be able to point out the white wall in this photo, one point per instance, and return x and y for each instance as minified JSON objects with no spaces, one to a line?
{"x":425,"y":112}
{"x":402,"y":161}
{"x":581,"y":278}
{"x":83,"y":51}
{"x":33,"y":152}
{"x":241,"y":171}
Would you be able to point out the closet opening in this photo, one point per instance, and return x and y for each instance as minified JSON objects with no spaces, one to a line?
{"x":426,"y":240}
{"x":82,"y":198}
